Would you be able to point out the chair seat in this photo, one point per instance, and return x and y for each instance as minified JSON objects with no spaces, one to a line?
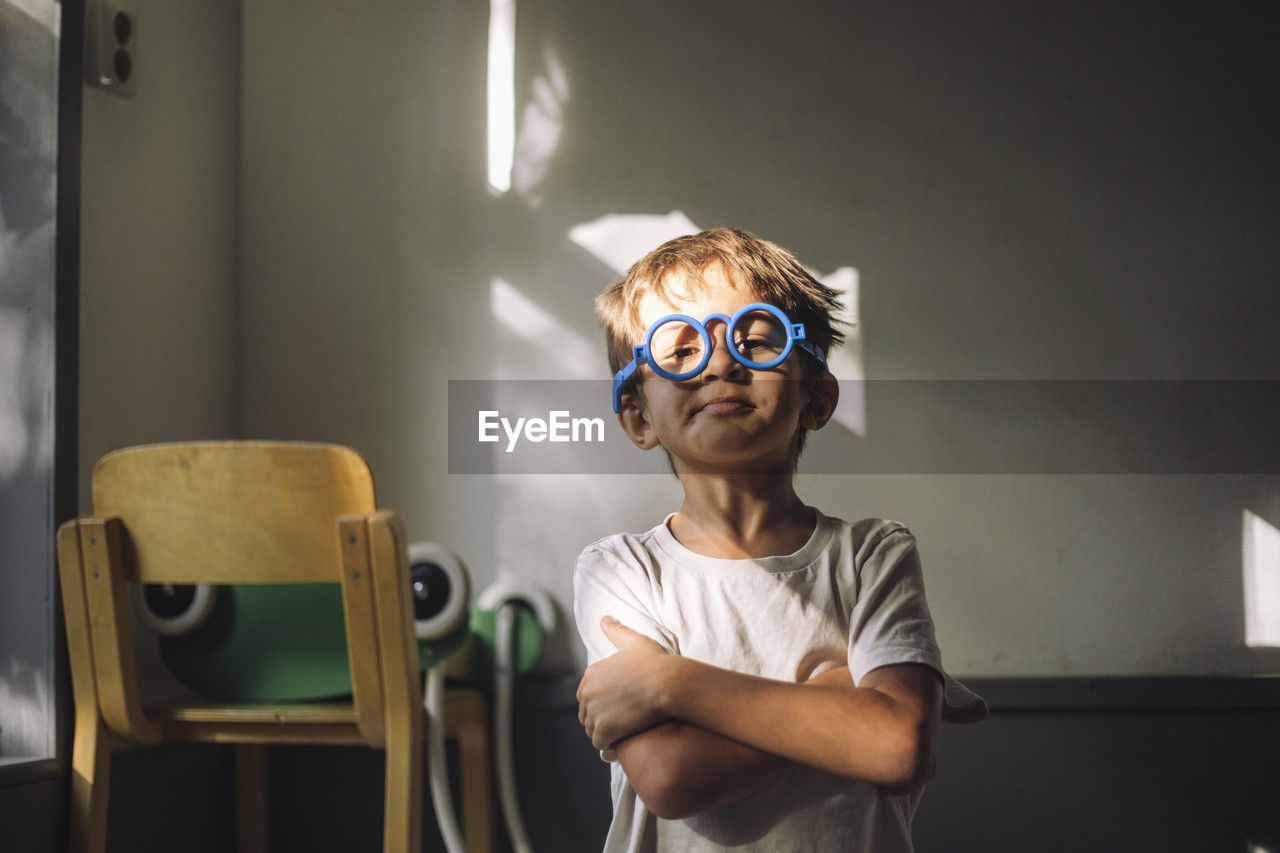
{"x":223,"y":723}
{"x":322,"y":713}
{"x":324,"y":722}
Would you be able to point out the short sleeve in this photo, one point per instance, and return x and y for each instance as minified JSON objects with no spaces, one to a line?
{"x":890,"y":622}
{"x":606,"y":584}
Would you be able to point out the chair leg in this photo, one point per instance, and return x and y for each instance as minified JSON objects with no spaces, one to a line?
{"x":402,"y":832}
{"x":476,"y":782}
{"x":90,"y":783}
{"x":253,"y":826}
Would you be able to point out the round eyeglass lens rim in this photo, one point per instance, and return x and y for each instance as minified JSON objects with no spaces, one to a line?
{"x":696,"y":326}
{"x":780,"y":316}
{"x":732,"y":323}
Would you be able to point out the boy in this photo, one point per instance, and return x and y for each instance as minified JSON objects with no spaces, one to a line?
{"x":762,"y":676}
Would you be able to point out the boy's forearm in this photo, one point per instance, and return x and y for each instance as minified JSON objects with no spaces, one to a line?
{"x":679,"y":769}
{"x":883,"y":730}
{"x":857,"y":732}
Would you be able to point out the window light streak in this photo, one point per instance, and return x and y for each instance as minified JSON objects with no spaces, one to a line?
{"x":24,"y":696}
{"x":573,"y":355}
{"x":502,"y":93}
{"x":15,"y":388}
{"x":1261,"y":566}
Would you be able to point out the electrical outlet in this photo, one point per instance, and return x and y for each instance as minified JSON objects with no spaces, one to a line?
{"x":111,"y":35}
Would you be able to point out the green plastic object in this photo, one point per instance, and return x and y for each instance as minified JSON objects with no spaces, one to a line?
{"x":277,"y":643}
{"x":529,"y":640}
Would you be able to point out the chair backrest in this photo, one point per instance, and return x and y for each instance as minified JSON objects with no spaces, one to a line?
{"x":232,"y":512}
{"x":237,"y":513}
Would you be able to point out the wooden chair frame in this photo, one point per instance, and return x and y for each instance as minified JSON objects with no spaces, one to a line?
{"x":246,"y":513}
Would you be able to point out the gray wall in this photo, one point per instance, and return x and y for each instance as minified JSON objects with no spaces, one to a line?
{"x":159,"y":237}
{"x":1082,"y":193}
{"x":159,"y":246}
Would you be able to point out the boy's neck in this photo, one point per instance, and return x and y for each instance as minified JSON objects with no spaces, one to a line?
{"x":741,"y":516}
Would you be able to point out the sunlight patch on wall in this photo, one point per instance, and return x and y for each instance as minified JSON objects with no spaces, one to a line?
{"x":1261,"y":561}
{"x":545,"y":339}
{"x":618,"y":240}
{"x":846,"y":362}
{"x":501,"y":93}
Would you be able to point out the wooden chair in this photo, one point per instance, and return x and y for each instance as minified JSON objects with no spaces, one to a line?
{"x":248,"y":513}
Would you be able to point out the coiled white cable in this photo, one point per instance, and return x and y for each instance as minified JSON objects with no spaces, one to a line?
{"x":504,"y":688}
{"x":437,"y":770}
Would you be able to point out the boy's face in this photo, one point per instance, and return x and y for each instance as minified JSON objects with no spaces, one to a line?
{"x":728,"y":418}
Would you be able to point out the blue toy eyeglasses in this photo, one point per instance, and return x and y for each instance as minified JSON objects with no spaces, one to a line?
{"x":678,"y":347}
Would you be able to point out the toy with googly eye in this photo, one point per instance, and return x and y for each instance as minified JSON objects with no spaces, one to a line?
{"x":287,"y":642}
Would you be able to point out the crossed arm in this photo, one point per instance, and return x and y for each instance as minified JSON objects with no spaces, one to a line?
{"x":692,"y":736}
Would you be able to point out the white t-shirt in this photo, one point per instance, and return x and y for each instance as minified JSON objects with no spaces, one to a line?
{"x":854,"y":593}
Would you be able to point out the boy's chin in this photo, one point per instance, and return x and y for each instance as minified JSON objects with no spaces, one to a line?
{"x":726,"y":458}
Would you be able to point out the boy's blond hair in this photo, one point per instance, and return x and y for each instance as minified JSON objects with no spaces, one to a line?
{"x":773,"y":272}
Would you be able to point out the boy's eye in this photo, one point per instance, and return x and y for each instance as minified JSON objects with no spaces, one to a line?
{"x":759,"y":337}
{"x":676,"y":346}
{"x":759,"y":349}
{"x":680,"y":357}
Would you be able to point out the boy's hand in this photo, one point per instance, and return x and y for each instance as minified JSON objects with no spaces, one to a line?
{"x":622,"y":694}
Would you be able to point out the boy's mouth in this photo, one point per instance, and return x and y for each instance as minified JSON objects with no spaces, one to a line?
{"x":726,"y":405}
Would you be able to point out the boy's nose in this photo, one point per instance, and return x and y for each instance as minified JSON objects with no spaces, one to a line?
{"x":721,"y":363}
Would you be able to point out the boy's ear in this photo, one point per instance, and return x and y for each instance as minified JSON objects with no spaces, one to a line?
{"x":820,"y":402}
{"x":635,"y":422}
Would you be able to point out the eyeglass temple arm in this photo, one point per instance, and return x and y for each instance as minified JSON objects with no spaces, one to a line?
{"x":797,"y":334}
{"x":639,"y":355}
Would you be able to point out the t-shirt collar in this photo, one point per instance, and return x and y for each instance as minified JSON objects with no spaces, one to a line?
{"x":808,"y":553}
